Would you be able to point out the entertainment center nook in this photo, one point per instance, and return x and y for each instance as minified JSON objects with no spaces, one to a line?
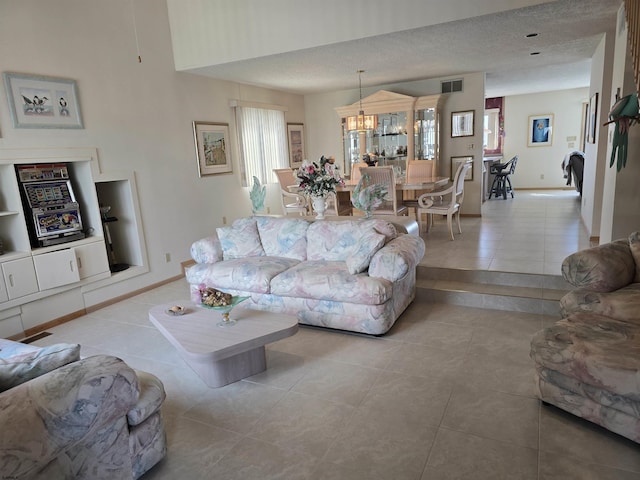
{"x":55,"y":258}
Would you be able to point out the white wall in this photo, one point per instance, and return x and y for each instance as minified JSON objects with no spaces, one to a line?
{"x":621,"y":195}
{"x":540,"y":167}
{"x":138,"y":115}
{"x":596,"y":161}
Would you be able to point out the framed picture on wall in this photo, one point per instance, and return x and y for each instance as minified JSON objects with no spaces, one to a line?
{"x":456,"y":162}
{"x":295,"y":133}
{"x":593,"y":118}
{"x":212,"y":148}
{"x":462,"y":123}
{"x":540,"y":130}
{"x":42,"y":102}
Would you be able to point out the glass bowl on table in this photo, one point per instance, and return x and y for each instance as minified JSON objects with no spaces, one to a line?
{"x":225,"y":310}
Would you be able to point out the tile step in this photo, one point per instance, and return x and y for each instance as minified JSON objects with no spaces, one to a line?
{"x":519,"y":292}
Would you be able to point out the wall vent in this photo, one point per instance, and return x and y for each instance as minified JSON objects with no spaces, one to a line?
{"x":450,"y":86}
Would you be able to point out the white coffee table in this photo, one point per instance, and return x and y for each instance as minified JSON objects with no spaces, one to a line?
{"x":222,"y":355}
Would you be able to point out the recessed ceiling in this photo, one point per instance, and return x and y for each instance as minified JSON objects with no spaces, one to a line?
{"x":568,"y":33}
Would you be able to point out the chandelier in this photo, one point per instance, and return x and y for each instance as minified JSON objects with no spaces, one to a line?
{"x":361,"y":122}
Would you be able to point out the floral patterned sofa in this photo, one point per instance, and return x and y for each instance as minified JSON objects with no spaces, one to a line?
{"x":66,"y":417}
{"x":357,"y":275}
{"x":588,"y":362}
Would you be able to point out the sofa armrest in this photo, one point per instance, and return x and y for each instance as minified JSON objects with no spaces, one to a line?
{"x":397,"y":257}
{"x":604,"y":268}
{"x":51,"y":413}
{"x":207,"y":250}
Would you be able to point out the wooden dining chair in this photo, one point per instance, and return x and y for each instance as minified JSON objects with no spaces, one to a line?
{"x":386,"y":176}
{"x":292,"y":202}
{"x":418,"y":171}
{"x":355,"y":171}
{"x":444,"y":202}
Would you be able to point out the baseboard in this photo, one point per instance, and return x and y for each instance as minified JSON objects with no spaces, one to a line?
{"x":74,"y":315}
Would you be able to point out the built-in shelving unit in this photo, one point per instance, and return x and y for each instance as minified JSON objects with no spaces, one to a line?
{"x":30,"y":273}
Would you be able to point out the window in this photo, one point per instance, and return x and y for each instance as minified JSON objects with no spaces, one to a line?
{"x":493,"y":125}
{"x":263,"y":143}
{"x":491,"y":129}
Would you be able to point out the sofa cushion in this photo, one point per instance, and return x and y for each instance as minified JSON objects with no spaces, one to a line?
{"x":622,"y":304}
{"x":334,"y":241}
{"x":240,"y":240}
{"x":28,"y":364}
{"x":363,"y":252}
{"x":397,"y":257}
{"x":283,"y":237}
{"x":603,"y":268}
{"x":634,"y":246}
{"x":593,"y":349}
{"x":206,"y":250}
{"x":331,"y":281}
{"x":251,"y":274}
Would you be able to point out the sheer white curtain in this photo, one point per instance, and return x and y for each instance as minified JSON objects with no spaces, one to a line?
{"x":263,"y":143}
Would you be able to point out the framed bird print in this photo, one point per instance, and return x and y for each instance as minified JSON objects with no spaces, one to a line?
{"x":42,"y":102}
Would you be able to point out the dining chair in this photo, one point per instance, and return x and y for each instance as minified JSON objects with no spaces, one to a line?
{"x":335,"y":207}
{"x":292,"y":202}
{"x":386,"y":176}
{"x":418,"y":171}
{"x":355,"y":171}
{"x":444,"y":202}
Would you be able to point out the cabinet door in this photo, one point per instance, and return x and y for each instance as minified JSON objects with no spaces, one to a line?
{"x":20,"y":277}
{"x":56,"y":268}
{"x":92,"y":259}
{"x":4,"y":296}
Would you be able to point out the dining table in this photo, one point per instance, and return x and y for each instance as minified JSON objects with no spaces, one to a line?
{"x":428,"y":184}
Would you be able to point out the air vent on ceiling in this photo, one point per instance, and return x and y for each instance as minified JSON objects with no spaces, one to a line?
{"x":450,"y":86}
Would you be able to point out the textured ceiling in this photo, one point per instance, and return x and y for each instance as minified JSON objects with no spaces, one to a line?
{"x":568,"y":33}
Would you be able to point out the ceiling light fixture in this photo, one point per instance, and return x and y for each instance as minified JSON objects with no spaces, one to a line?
{"x":361,"y":122}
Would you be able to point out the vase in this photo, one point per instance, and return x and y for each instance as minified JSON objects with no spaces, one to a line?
{"x":319,"y":206}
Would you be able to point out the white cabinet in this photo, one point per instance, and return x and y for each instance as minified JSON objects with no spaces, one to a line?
{"x":91,"y":259}
{"x":55,"y":269}
{"x":4,"y":296}
{"x":19,"y":277}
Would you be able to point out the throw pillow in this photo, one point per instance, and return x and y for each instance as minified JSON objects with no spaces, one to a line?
{"x":364,"y":251}
{"x":240,"y":240}
{"x":28,"y":365}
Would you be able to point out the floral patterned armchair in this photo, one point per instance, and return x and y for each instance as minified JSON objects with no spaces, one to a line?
{"x":65,"y":417}
{"x":588,"y":362}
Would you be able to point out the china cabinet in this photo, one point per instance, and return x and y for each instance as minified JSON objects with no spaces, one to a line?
{"x":405,"y":128}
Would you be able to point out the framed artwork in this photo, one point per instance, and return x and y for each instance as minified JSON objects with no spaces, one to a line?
{"x":42,"y":102}
{"x":462,"y":123}
{"x":540,"y":130}
{"x":295,"y":133}
{"x":212,"y":148}
{"x":593,"y":118}
{"x":455,"y":163}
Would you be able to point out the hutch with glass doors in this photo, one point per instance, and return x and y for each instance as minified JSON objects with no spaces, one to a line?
{"x":402,"y":129}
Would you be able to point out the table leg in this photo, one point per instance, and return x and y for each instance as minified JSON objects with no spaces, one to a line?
{"x":230,"y":369}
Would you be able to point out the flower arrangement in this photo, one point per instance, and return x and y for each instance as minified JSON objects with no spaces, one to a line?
{"x":368,"y":197}
{"x":319,"y":180}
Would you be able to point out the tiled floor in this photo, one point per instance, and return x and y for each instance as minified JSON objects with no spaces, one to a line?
{"x":531,"y":233}
{"x":446,"y":394}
